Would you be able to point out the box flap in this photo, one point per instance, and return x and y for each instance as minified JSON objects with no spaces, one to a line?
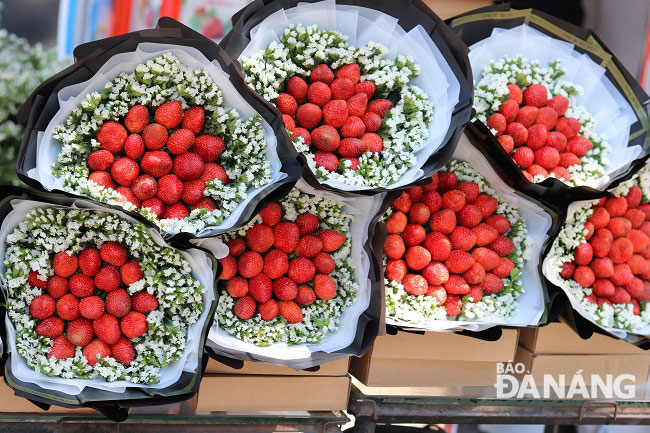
{"x":334,"y":368}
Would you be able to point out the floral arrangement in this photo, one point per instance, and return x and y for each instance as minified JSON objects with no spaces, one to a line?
{"x":601,"y":257}
{"x":454,"y":250}
{"x":218,"y":156}
{"x":535,"y":116}
{"x":358,"y":121}
{"x":126,"y":303}
{"x":296,"y":292}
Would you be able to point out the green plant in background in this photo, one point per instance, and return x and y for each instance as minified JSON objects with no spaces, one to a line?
{"x":22,"y":68}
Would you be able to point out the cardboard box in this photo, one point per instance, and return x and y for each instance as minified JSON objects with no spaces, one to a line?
{"x":412,"y":360}
{"x":559,"y":338}
{"x":241,"y":393}
{"x":334,"y":368}
{"x":447,"y":9}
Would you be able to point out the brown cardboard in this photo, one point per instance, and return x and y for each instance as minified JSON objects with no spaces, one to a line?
{"x":236,"y":393}
{"x":585,"y":364}
{"x":334,"y":368}
{"x":559,"y":338}
{"x":447,"y":9}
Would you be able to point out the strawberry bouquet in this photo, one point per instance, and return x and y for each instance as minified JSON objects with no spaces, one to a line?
{"x":351,"y":87}
{"x":296,"y":278}
{"x":457,"y":253}
{"x":600,"y":257}
{"x":96,"y":300}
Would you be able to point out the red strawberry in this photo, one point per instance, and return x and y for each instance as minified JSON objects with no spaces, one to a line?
{"x":497,"y":122}
{"x":568,"y":126}
{"x":111,"y":136}
{"x":491,"y":284}
{"x":558,"y":141}
{"x":579,"y":146}
{"x":229,"y":266}
{"x":637,"y":263}
{"x":155,"y":136}
{"x":80,"y":332}
{"x":456,"y":285}
{"x":342,"y":88}
{"x":600,"y":218}
{"x":639,"y":240}
{"x":58,"y":286}
{"x":322,"y":73}
{"x":180,"y":141}
{"x":508,"y":111}
{"x":560,"y":173}
{"x":259,"y":238}
{"x":636,"y":216}
{"x":286,"y":236}
{"x":237,"y":286}
{"x":380,"y":106}
{"x":81,"y":285}
{"x":260,"y":288}
{"x":476,"y":274}
{"x":35,"y":281}
{"x":271,"y":214}
{"x":61,"y":348}
{"x":113,"y":253}
{"x":301,"y":270}
{"x":107,"y":279}
{"x":485,"y":234}
{"x":438,"y":244}
{"x":353,"y":127}
{"x":212,"y":171}
{"x":350,"y":71}
{"x":443,"y":221}
{"x":475,"y":293}
{"x":433,"y":200}
{"x":123,"y":351}
{"x":352,"y":147}
{"x":291,"y":311}
{"x":357,"y":105}
{"x":324,"y":263}
{"x":51,"y":327}
{"x":502,"y":246}
{"x":604,"y":288}
{"x":462,"y":238}
{"x":616,"y":206}
{"x":127,"y":196}
{"x":286,"y":104}
{"x":621,"y":250}
{"x":515,"y":93}
{"x":144,"y":187}
{"x":326,"y":138}
{"x":487,"y":204}
{"x":524,"y":157}
{"x":634,"y":287}
{"x":269,"y":310}
{"x":584,"y":276}
{"x":176,"y":211}
{"x":65,"y":264}
{"x":499,"y":222}
{"x":435,"y":273}
{"x":324,"y":287}
{"x":250,"y":264}
{"x":367,"y":87}
{"x":447,"y":181}
{"x":193,"y":191}
{"x":602,"y":267}
{"x":537,"y":136}
{"x":634,"y":196}
{"x":396,"y":270}
{"x":309,"y":116}
{"x":100,"y":160}
{"x":371,"y":120}
{"x":170,"y":189}
{"x":156,"y":163}
{"x":568,"y":269}
{"x":507,"y":143}
{"x":470,"y":189}
{"x":469,"y":216}
{"x":169,"y":114}
{"x":327,"y":160}
{"x":394,"y":247}
{"x":332,"y":240}
{"x":415,"y":285}
{"x":144,"y":302}
{"x":622,"y":274}
{"x":335,"y":113}
{"x":297,"y":87}
{"x":306,"y":295}
{"x":537,"y":170}
{"x":289,"y":123}
{"x":536,"y":95}
{"x":454,"y":200}
{"x":91,"y":307}
{"x":118,"y":303}
{"x":453,"y":305}
{"x":459,"y":261}
{"x":415,"y":193}
{"x":547,"y":116}
{"x":67,"y":307}
{"x":307,"y":223}
{"x":188,"y":166}
{"x":136,"y":118}
{"x":518,"y":132}
{"x":583,"y":254}
{"x":417,"y":257}
{"x":486,"y":258}
{"x":205,"y":203}
{"x":402,"y":203}
{"x":309,"y":246}
{"x":193,"y":119}
{"x":301,"y":132}
{"x":527,"y":116}
{"x":505,"y":266}
{"x":285,"y":289}
{"x":134,"y":324}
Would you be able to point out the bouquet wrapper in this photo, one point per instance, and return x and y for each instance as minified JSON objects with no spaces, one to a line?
{"x":360,"y":323}
{"x":541,"y":221}
{"x":55,"y":96}
{"x":611,"y":94}
{"x":404,"y":26}
{"x":178,"y":382}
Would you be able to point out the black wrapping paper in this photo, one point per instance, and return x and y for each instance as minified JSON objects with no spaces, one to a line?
{"x":410,"y":13}
{"x":43,"y":104}
{"x":113,"y":405}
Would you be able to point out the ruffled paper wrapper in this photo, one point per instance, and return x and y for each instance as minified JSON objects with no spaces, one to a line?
{"x":406,"y":27}
{"x":611,"y":95}
{"x":359,"y":323}
{"x":531,"y":305}
{"x":181,"y":378}
{"x":54,"y":100}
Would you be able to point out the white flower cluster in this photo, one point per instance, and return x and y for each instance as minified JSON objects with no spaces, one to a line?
{"x":405,"y":127}
{"x":319,"y":318}
{"x":152,"y":84}
{"x":492,"y":90}
{"x":572,"y":234}
{"x":417,"y":309}
{"x":47,"y":231}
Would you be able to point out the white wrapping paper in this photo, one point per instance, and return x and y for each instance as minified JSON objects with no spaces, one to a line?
{"x":363,"y":210}
{"x":70,"y":97}
{"x":531,"y":303}
{"x":613,"y":114}
{"x":363,"y":25}
{"x":201,"y":270}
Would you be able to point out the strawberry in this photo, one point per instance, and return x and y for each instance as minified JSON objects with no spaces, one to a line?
{"x":497,"y":123}
{"x":123,"y":351}
{"x":309,"y":246}
{"x":557,"y":140}
{"x":350,"y":71}
{"x":396,"y":270}
{"x":276,"y":263}
{"x":107,"y":279}
{"x":447,"y":181}
{"x":601,"y":242}
{"x":518,"y":132}
{"x":175,"y":211}
{"x":568,"y":269}
{"x":286,"y":236}
{"x":324,"y":263}
{"x":524,"y":157}
{"x":213,"y":171}
{"x":136,"y":118}
{"x":118,"y":303}
{"x":80,"y":332}
{"x":236,"y":246}
{"x":371,"y":120}
{"x":633,"y":197}
{"x":515,"y":93}
{"x":414,"y":234}
{"x":620,"y":296}
{"x":568,"y":126}
{"x":637,"y":263}
{"x":462,"y":238}
{"x":402,"y":203}
{"x":635,"y":216}
{"x":584,"y":276}
{"x":307,"y":223}
{"x":188,"y":166}
{"x":91,"y":307}
{"x":297,"y":87}
{"x":111,"y":136}
{"x":380,"y":106}
{"x":459,"y":261}
{"x":291,"y":311}
{"x":499,"y":222}
{"x":170,"y":189}
{"x":487,"y":204}
{"x":156,"y":163}
{"x":301,"y":270}
{"x":144,"y":187}
{"x":507,"y":143}
{"x":324,"y":287}
{"x":527,"y":116}
{"x":353,"y":127}
{"x":469,"y":216}
{"x":639,"y":240}
{"x":193,"y":191}
{"x":503,"y":269}
{"x":456,"y":285}
{"x":335,"y":113}
{"x":289,"y":123}
{"x":169,"y":114}
{"x":309,"y":116}
{"x":51,"y":327}
{"x":260,"y":287}
{"x":229,"y":266}
{"x":616,"y":206}
{"x":193,"y":119}
{"x":491,"y":284}
{"x":537,"y":136}
{"x":271,"y":214}
{"x":113,"y":253}
{"x":100,"y":160}
{"x":65,"y":264}
{"x":237,"y":286}
{"x":319,"y":94}
{"x":286,"y":104}
{"x":133,"y":324}
{"x":569,"y":159}
{"x":417,"y":257}
{"x":155,"y":205}
{"x":367,"y":87}
{"x":508,"y":111}
{"x":560,"y":173}
{"x":259,"y":238}
{"x":435,"y":273}
{"x":439,"y":246}
{"x":537,"y":170}
{"x":250,"y":264}
{"x":35,"y":281}
{"x":394,"y":247}
{"x":634,"y":287}
{"x":301,"y":132}
{"x":502,"y":246}
{"x":604,"y":288}
{"x":602,"y":267}
{"x":622,"y":274}
{"x":327,"y":160}
{"x":559,"y":104}
{"x":599,"y":218}
{"x":306,"y":295}
{"x":322,"y":73}
{"x":134,"y":146}
{"x":416,"y":193}
{"x":57,"y":286}
{"x":81,"y":285}
{"x":475,"y":274}
{"x":547,"y":116}
{"x":453,"y":305}
{"x":443,"y":221}
{"x":269,"y":310}
{"x":155,"y":136}
{"x":352,"y":147}
{"x":332,"y":240}
{"x":144,"y":302}
{"x":326,"y":138}
{"x":415,"y":285}
{"x":583,"y":254}
{"x":536,"y":95}
{"x":419,"y":213}
{"x":454,"y":200}
{"x":621,"y":250}
{"x":475,"y":293}
{"x":205,"y":203}
{"x":61,"y":348}
{"x":285,"y":289}
{"x":127,"y":196}
{"x":433,"y":200}
{"x":579,"y":146}
{"x":180,"y":141}
{"x":486,"y":258}
{"x":67,"y":307}
{"x":470,"y":189}
{"x":485,"y":234}
{"x":342,"y":88}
